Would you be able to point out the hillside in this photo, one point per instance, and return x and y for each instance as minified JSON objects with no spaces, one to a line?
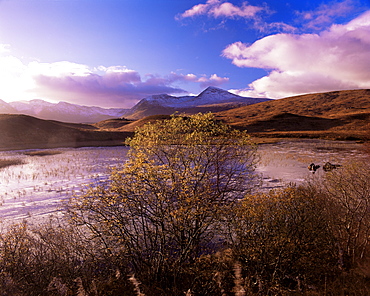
{"x":337,"y":115}
{"x":25,"y":132}
{"x":333,"y":115}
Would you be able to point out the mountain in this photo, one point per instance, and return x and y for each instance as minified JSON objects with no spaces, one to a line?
{"x":61,"y":111}
{"x":341,"y":115}
{"x":26,"y":132}
{"x":212,"y":99}
{"x":6,"y":108}
{"x":333,"y":115}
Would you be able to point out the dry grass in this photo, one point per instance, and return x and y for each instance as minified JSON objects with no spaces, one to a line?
{"x":139,"y":123}
{"x":9,"y":162}
{"x":333,"y":115}
{"x":42,"y":153}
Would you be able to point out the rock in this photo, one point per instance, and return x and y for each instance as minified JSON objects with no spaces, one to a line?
{"x":329,"y":166}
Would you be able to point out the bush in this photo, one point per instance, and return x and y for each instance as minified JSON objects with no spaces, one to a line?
{"x":54,"y":259}
{"x":348,"y":193}
{"x":165,"y":207}
{"x":283,"y":241}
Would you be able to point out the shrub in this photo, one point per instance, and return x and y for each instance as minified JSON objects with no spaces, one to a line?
{"x":165,"y":207}
{"x":283,"y":240}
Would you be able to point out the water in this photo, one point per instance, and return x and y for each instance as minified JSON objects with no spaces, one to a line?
{"x":35,"y":189}
{"x":287,"y":161}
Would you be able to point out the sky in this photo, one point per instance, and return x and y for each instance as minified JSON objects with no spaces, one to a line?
{"x":113,"y":53}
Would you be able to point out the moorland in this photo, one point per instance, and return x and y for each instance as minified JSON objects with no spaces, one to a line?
{"x":338,"y":115}
{"x":188,"y":219}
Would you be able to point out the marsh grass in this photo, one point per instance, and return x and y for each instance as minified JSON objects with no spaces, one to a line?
{"x":42,"y":152}
{"x":9,"y":162}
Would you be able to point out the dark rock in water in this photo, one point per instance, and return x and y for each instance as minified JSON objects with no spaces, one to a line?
{"x":329,"y":166}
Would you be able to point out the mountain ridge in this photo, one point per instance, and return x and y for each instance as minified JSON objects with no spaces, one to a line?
{"x":212,"y":99}
{"x":339,"y":115}
{"x":61,"y":111}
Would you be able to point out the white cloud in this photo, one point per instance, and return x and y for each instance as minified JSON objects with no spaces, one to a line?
{"x":115,"y":86}
{"x":218,"y":8}
{"x":204,"y":81}
{"x":229,"y":10}
{"x":337,"y":58}
{"x":326,"y":13}
{"x":253,"y":15}
{"x":14,"y":79}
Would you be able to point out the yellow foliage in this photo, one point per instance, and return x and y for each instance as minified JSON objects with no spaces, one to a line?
{"x":162,"y":207}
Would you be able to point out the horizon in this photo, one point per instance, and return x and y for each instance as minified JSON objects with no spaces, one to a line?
{"x":57,"y":102}
{"x":113,"y":53}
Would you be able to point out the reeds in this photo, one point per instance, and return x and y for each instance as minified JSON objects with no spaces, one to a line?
{"x":30,"y":184}
{"x":9,"y":162}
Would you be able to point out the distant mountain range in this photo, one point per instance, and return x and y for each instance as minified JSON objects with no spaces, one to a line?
{"x":341,"y":115}
{"x":210,"y":100}
{"x":61,"y":111}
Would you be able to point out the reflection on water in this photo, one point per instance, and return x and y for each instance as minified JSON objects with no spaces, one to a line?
{"x":36,"y":187}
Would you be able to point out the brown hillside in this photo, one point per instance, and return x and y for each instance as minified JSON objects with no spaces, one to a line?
{"x":138,"y":123}
{"x":112,"y":124}
{"x":339,"y":115}
{"x":22,"y":132}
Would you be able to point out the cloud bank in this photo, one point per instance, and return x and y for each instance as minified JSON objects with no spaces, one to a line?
{"x":334,"y":59}
{"x":114,"y":86}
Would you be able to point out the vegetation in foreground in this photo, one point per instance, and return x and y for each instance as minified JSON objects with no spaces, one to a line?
{"x":9,"y":162}
{"x":42,"y":152}
{"x":180,"y":218}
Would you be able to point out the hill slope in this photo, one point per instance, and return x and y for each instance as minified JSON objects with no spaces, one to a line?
{"x":24,"y":132}
{"x":339,"y":114}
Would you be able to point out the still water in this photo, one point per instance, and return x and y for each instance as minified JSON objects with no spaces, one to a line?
{"x":287,"y":162}
{"x":35,"y":189}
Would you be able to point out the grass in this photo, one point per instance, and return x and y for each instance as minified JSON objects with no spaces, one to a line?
{"x":9,"y":162}
{"x":43,"y":153}
{"x":343,"y":115}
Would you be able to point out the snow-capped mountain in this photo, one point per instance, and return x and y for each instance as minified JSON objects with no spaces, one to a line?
{"x":61,"y":111}
{"x":212,"y":99}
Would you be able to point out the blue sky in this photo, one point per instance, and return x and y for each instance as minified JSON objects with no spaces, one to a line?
{"x":112,"y":53}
